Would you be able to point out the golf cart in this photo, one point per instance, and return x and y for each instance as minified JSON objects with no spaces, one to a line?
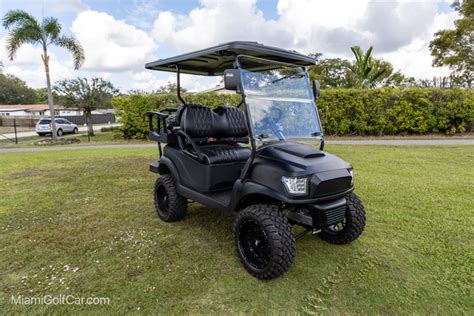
{"x":263,"y":158}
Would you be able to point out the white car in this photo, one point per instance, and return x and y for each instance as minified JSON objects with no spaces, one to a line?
{"x":63,"y":126}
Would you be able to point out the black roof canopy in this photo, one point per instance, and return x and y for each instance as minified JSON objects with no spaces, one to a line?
{"x":214,"y":60}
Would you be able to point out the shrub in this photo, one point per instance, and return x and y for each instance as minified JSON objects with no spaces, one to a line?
{"x":385,"y":111}
{"x":390,"y":111}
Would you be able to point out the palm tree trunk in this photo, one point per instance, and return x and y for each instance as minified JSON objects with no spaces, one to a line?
{"x":45,"y":58}
{"x":90,"y":129}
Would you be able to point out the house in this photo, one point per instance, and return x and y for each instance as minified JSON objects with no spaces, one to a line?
{"x":218,"y":89}
{"x":36,"y":110}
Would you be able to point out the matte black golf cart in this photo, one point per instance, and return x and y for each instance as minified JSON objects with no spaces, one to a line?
{"x":263,"y":158}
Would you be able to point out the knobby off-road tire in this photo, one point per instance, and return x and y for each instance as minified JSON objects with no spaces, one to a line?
{"x":170,"y":206}
{"x":264,"y":241}
{"x":353,"y":224}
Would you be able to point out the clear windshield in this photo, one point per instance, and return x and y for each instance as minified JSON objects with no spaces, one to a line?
{"x":281,"y":104}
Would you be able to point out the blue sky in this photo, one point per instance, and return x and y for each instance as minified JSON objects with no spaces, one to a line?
{"x":119,"y":36}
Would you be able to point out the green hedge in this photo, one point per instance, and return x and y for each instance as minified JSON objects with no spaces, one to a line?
{"x":393,"y":111}
{"x":343,"y":111}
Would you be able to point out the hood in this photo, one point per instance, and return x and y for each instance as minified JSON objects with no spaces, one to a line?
{"x":301,"y":159}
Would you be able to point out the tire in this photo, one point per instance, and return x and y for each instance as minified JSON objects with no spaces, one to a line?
{"x":170,"y":206}
{"x":264,"y":241}
{"x":352,"y":226}
{"x":75,"y":131}
{"x":41,"y":134}
{"x":59,"y":132}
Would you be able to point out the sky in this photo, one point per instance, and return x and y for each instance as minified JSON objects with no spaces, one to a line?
{"x":120,"y":36}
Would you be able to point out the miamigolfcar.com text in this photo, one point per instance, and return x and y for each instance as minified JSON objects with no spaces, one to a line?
{"x":59,"y":300}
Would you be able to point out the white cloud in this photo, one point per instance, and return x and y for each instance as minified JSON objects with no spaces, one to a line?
{"x":395,"y":24}
{"x":415,"y":58}
{"x":26,"y":55}
{"x":147,"y":80}
{"x":35,"y":75}
{"x":110,"y":44}
{"x":398,"y":30}
{"x":216,"y":22}
{"x":28,"y":65}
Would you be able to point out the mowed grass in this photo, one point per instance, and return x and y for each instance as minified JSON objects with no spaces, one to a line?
{"x":91,"y":211}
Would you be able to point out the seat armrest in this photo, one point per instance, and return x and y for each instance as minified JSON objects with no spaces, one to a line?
{"x":199,"y":156}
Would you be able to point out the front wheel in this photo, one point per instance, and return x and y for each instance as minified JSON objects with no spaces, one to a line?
{"x":264,"y":241}
{"x":75,"y":131}
{"x":170,"y":206}
{"x":351,"y":227}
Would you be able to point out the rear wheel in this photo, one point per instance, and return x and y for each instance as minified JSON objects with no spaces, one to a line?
{"x":351,"y":227}
{"x":75,"y":131}
{"x":170,"y":206}
{"x":264,"y":241}
{"x":59,"y":132}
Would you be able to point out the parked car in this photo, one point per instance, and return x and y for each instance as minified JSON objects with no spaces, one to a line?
{"x":63,"y":126}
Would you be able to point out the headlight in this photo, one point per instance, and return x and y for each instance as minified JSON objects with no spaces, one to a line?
{"x":352,"y":177}
{"x":295,"y":186}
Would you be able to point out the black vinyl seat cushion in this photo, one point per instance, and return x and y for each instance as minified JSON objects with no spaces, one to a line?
{"x":221,"y":153}
{"x":200,"y":122}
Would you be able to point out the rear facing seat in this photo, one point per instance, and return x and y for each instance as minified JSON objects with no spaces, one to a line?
{"x":215,"y":133}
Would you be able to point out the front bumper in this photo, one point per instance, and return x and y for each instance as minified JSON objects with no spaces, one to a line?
{"x":319,"y":215}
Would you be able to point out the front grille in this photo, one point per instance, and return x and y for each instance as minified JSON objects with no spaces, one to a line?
{"x":335,"y":215}
{"x":332,"y":186}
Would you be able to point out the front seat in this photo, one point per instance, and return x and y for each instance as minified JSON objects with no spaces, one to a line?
{"x":212,"y":136}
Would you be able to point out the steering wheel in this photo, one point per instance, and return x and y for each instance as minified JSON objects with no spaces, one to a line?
{"x":270,"y":122}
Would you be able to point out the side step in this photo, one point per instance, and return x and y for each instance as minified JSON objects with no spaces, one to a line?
{"x":215,"y":200}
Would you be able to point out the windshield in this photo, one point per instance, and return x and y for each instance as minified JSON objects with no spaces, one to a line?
{"x":281,"y":104}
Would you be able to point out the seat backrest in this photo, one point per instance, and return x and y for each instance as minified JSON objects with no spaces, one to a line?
{"x":223,"y":122}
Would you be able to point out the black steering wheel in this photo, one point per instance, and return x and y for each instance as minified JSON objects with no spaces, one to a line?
{"x":270,"y":122}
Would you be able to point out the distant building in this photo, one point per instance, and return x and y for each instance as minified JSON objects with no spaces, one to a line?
{"x":43,"y":110}
{"x":218,"y":89}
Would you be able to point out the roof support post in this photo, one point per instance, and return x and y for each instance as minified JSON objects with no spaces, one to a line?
{"x":178,"y":85}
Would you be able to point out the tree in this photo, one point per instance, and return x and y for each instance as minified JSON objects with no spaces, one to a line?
{"x":341,"y":73}
{"x":365,"y":71}
{"x":455,"y":48}
{"x":42,"y":95}
{"x":331,"y":72}
{"x":25,"y":29}
{"x":87,"y":95}
{"x":13,"y":90}
{"x":169,"y":88}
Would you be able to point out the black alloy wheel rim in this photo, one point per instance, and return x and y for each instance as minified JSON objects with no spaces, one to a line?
{"x":163,"y":199}
{"x":254,"y":244}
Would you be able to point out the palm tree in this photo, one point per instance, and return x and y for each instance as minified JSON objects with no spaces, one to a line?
{"x":364,"y":71}
{"x":24,"y":28}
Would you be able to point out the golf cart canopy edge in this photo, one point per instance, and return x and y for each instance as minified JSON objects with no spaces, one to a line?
{"x":214,"y":60}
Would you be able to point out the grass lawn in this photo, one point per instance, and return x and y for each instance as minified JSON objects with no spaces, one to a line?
{"x":91,"y":211}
